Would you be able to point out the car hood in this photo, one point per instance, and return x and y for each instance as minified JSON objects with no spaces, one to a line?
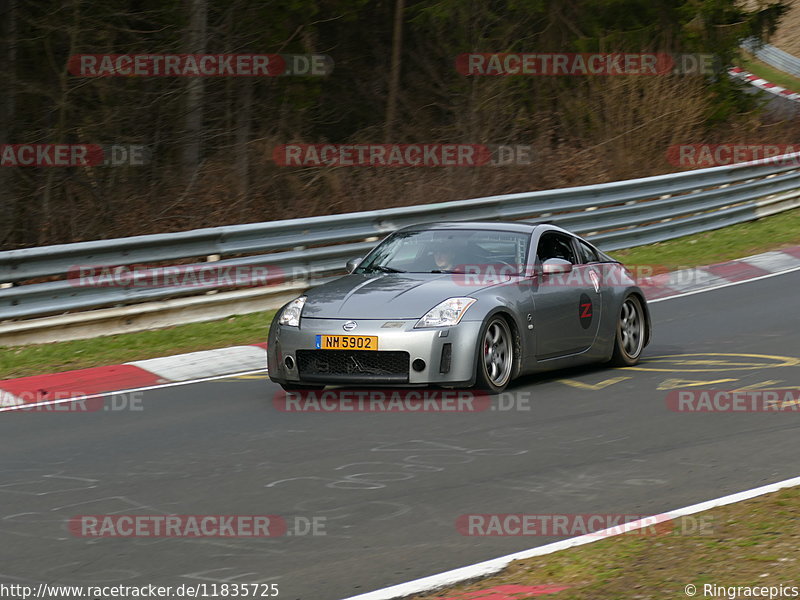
{"x":385,"y":296}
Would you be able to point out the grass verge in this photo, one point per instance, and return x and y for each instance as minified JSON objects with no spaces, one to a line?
{"x":736,"y":241}
{"x":731,"y":242}
{"x":20,"y":361}
{"x":751,"y":543}
{"x":771,"y":74}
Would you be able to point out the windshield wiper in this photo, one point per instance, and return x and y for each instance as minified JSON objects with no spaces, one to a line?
{"x":382,"y":269}
{"x":447,"y":271}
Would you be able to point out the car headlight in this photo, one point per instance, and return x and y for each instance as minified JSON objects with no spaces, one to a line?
{"x":291,"y":312}
{"x":446,"y":313}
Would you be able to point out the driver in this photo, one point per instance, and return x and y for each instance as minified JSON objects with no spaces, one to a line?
{"x":444,"y":258}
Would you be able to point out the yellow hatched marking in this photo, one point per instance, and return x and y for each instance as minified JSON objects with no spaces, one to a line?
{"x":237,"y":377}
{"x":762,"y":385}
{"x":593,"y":386}
{"x":674,"y":384}
{"x":686,"y":363}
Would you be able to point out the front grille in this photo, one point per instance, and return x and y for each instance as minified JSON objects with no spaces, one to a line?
{"x":352,"y":365}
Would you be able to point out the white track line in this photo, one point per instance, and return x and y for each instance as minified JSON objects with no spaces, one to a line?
{"x":482,"y":569}
{"x":217,"y":377}
{"x":128,"y":391}
{"x":724,"y":285}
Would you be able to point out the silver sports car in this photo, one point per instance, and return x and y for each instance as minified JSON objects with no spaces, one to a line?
{"x":460,"y":305}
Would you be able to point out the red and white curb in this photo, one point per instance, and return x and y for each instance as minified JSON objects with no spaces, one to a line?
{"x":490,"y":567}
{"x":678,"y":282}
{"x":136,"y":375}
{"x":208,"y":363}
{"x":763,"y":84}
{"x":226,"y":362}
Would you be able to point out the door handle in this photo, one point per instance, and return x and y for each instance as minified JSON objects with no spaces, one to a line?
{"x":595,"y":280}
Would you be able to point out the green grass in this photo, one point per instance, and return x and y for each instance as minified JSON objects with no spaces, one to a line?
{"x":763,"y":70}
{"x":716,"y":246}
{"x":19,"y":361}
{"x":737,"y":241}
{"x":751,"y":543}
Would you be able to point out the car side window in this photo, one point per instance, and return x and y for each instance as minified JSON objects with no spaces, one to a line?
{"x":587,"y":253}
{"x":555,"y":245}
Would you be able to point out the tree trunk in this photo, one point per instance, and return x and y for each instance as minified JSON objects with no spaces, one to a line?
{"x":8,"y":60}
{"x":394,"y":75}
{"x":244,"y":118}
{"x":195,"y":43}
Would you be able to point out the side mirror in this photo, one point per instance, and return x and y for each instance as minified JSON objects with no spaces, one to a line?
{"x":353,"y":263}
{"x":553,"y":266}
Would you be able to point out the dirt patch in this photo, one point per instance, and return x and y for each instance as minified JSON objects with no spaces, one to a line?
{"x":787,"y":37}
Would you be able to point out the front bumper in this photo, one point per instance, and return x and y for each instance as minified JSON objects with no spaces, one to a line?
{"x":432,"y":346}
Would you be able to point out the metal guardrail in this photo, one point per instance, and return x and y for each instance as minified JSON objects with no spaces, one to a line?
{"x":775,"y":57}
{"x":613,"y":215}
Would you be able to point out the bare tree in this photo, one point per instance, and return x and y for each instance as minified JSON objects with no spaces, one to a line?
{"x":195,"y":43}
{"x":394,"y":76}
{"x":8,"y":60}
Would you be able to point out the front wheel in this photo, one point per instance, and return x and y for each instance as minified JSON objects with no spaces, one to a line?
{"x":630,"y":335}
{"x":495,"y":356}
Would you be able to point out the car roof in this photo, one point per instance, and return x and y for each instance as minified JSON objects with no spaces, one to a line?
{"x":509,"y":226}
{"x":492,"y":225}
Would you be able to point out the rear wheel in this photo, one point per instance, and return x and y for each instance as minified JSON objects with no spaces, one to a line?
{"x":495,"y":356}
{"x":630,"y":335}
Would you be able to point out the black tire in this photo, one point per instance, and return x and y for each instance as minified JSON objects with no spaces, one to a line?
{"x":631,"y":333}
{"x":495,"y":356}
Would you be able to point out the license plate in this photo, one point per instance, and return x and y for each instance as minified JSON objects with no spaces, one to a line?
{"x":347,"y":342}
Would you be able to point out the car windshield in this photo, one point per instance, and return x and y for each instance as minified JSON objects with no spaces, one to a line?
{"x":447,"y":251}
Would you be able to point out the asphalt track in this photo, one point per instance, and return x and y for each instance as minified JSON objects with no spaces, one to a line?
{"x":391,"y":486}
